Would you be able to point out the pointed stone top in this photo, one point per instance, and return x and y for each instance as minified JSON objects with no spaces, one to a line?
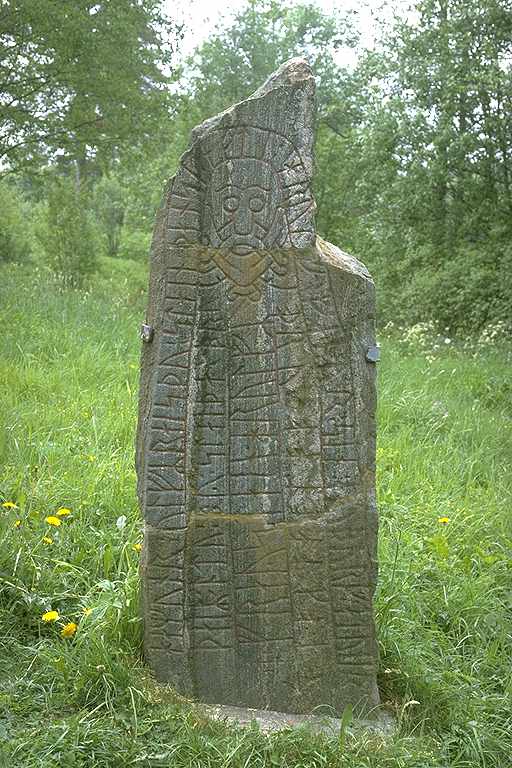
{"x":291,"y":73}
{"x":245,"y":182}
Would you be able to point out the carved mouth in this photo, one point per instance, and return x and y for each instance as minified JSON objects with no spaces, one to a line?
{"x":242,"y":249}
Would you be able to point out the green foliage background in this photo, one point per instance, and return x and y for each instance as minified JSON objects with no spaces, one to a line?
{"x":413,"y":168}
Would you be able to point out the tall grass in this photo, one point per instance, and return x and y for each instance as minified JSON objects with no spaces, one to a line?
{"x":68,"y":393}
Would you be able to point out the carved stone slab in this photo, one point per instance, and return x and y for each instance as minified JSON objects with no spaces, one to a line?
{"x":256,"y":442}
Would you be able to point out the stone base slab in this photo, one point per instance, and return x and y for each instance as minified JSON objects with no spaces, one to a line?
{"x":383,"y":723}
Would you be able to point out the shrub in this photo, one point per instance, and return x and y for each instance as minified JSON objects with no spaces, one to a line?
{"x":461,"y":292}
{"x":69,"y":235}
{"x":109,"y":209}
{"x":135,"y":245}
{"x":14,"y":240}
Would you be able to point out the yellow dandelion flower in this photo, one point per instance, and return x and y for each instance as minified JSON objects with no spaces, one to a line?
{"x":17,"y":523}
{"x":9,"y":505}
{"x":52,"y":520}
{"x":47,"y":539}
{"x":63,"y":511}
{"x":87,"y":611}
{"x":443,"y":520}
{"x":50,"y":616}
{"x":91,"y":457}
{"x":137,"y":547}
{"x":69,"y":629}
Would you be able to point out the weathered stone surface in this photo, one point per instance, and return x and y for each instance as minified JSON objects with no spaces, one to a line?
{"x":256,"y":441}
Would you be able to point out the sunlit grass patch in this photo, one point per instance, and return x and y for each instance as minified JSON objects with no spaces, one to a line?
{"x":70,"y":541}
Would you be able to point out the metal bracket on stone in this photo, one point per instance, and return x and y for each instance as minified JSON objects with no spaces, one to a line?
{"x":146,"y":333}
{"x":373,"y":354}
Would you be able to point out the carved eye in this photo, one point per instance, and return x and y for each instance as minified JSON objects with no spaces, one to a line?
{"x":256,"y":204}
{"x":230,"y":204}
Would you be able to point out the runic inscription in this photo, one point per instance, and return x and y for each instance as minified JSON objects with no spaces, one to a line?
{"x":256,"y":432}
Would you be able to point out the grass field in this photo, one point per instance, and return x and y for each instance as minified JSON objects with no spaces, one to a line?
{"x":68,"y":395}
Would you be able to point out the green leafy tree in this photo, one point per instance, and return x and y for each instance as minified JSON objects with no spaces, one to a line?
{"x":109,"y":201}
{"x":420,"y":144}
{"x":454,"y":85}
{"x":236,"y":59}
{"x":454,"y":78}
{"x":14,"y":224}
{"x":81,"y":80}
{"x":69,"y":234}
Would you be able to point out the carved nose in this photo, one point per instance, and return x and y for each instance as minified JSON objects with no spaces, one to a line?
{"x":243,"y":222}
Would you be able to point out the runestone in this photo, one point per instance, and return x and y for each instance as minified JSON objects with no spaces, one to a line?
{"x":256,"y":437}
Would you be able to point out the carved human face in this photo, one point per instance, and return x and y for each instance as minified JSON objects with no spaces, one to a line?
{"x":243,"y":202}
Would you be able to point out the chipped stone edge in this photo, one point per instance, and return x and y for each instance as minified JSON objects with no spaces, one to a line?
{"x":335,"y":257}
